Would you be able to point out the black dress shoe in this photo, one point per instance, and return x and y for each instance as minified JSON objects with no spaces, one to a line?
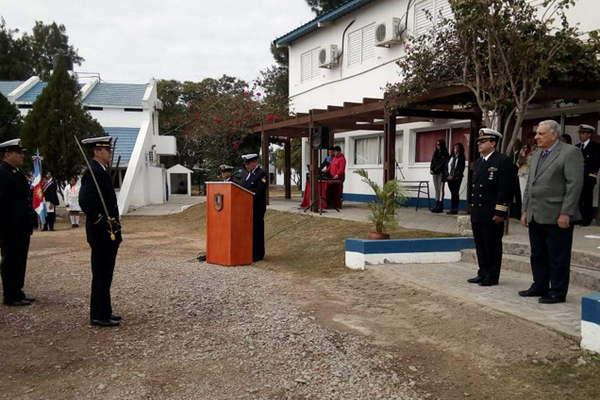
{"x":452,"y":212}
{"x":17,"y":303}
{"x":477,"y":279}
{"x":29,"y":299}
{"x":530,"y":293}
{"x":115,"y":317}
{"x":105,"y":322}
{"x":552,"y":299}
{"x":487,"y":283}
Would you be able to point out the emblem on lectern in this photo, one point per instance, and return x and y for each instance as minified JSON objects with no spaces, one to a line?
{"x":218,"y":199}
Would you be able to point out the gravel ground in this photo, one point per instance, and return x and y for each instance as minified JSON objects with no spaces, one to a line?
{"x":191,"y":331}
{"x":297,"y":326}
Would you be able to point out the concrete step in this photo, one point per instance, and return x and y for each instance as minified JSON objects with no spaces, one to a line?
{"x":579,"y":258}
{"x":583,"y":276}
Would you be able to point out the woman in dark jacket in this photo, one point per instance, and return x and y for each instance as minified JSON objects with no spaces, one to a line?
{"x":439,"y":172}
{"x":456,"y":168}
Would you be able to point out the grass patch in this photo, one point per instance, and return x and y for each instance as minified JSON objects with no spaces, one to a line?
{"x":314,"y":246}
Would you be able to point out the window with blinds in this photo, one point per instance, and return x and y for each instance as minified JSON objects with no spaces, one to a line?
{"x":429,"y":13}
{"x":361,"y":44}
{"x":368,"y":150}
{"x":309,"y":65}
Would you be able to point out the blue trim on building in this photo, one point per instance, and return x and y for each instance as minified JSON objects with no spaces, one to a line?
{"x":6,"y":87}
{"x":410,"y":201}
{"x":312,"y":25}
{"x":590,"y":308}
{"x":32,"y":94}
{"x":425,"y":245}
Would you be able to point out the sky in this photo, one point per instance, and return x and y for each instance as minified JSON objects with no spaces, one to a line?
{"x":135,"y":40}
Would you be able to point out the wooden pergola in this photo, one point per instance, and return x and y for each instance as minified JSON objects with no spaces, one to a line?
{"x":452,"y":102}
{"x":369,"y":115}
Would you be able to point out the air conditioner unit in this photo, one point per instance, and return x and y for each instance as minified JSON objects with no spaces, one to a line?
{"x":329,"y":57}
{"x":390,"y":32}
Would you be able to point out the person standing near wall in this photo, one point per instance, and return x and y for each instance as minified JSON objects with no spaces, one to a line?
{"x":456,"y":168}
{"x":51,"y":196}
{"x":591,"y":165}
{"x":550,"y":206}
{"x":439,"y":172}
{"x":491,"y":194}
{"x":71,"y":196}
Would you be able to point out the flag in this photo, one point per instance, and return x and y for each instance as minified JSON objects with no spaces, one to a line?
{"x":39,"y":205}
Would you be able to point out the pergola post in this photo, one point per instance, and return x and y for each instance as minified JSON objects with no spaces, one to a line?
{"x":287,"y":168}
{"x":389,"y":146}
{"x":264,"y":144}
{"x":314,"y":159}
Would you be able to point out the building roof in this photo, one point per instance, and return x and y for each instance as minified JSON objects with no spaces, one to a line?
{"x":338,"y":12}
{"x":103,"y":94}
{"x":32,"y":94}
{"x":116,"y":94}
{"x":8,"y":86}
{"x":126,"y":138}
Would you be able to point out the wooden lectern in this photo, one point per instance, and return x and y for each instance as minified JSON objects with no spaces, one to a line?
{"x":228,"y":224}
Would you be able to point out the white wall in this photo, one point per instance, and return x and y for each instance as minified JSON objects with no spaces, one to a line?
{"x":117,"y":117}
{"x":369,"y":78}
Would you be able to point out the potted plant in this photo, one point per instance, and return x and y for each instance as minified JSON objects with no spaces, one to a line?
{"x":383,"y":209}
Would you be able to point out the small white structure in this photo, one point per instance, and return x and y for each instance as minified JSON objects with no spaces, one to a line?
{"x":129,"y":113}
{"x":179,"y":180}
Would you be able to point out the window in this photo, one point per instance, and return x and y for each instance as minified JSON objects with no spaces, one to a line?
{"x":399,"y":147}
{"x":425,"y":144}
{"x":309,"y":65}
{"x":429,"y":13}
{"x":460,"y":135}
{"x":361,"y":44}
{"x":368,"y":150}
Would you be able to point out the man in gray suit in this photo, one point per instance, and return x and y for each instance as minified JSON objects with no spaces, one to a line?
{"x":550,"y":206}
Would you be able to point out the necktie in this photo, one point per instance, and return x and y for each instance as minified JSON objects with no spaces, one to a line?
{"x":543,"y":157}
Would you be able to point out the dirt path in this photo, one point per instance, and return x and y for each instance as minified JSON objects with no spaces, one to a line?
{"x":297,"y":326}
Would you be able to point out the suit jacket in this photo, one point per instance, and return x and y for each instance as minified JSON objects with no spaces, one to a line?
{"x":96,"y":225}
{"x":458,"y":169}
{"x":256,"y":181}
{"x":491,"y":188}
{"x":16,"y":207}
{"x":50,"y":192}
{"x":555,"y":188}
{"x":591,"y":159}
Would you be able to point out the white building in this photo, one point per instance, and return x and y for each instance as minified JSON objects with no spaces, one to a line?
{"x":363,"y":70}
{"x":129,"y":113}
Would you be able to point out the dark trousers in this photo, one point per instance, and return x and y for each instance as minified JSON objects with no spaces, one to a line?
{"x":488,"y":244}
{"x":258,"y":236}
{"x":103,"y":265}
{"x":550,"y":258}
{"x":454,"y":186}
{"x":586,"y":202}
{"x":14,"y":252}
{"x":50,"y":219}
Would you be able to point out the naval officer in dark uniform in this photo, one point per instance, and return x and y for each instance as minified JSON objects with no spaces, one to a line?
{"x":491,"y":193}
{"x":17,"y":220}
{"x":256,"y":181}
{"x":591,"y":165}
{"x":103,"y":231}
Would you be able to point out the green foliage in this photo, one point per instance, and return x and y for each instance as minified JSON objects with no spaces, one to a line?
{"x":388,"y":198}
{"x":503,"y":51}
{"x":210,"y":120}
{"x":55,"y":118}
{"x":320,"y":7}
{"x":34,"y":54}
{"x":10,"y":120}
